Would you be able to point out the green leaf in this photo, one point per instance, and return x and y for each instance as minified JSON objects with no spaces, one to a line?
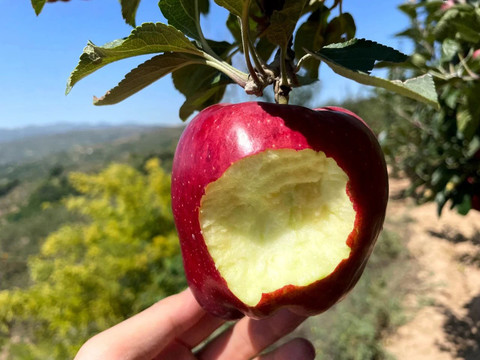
{"x":450,"y":96}
{"x":349,"y":26}
{"x":146,"y":39}
{"x":418,"y":60}
{"x":441,"y":200}
{"x":202,"y":86}
{"x":38,"y":5}
{"x":450,"y":48}
{"x":467,"y":33}
{"x":129,"y":10}
{"x":473,"y":147}
{"x":465,"y":205}
{"x":221,"y":48}
{"x":421,"y":88}
{"x":144,"y":75}
{"x":284,"y":21}
{"x":182,"y":15}
{"x":203,"y":99}
{"x":440,"y":177}
{"x":360,"y":54}
{"x":467,"y":123}
{"x":409,"y":9}
{"x":412,"y":33}
{"x":338,"y":27}
{"x":265,"y":48}
{"x":459,"y":22}
{"x":234,"y":26}
{"x":310,"y":34}
{"x":234,"y":6}
{"x":463,"y":119}
{"x":313,"y":5}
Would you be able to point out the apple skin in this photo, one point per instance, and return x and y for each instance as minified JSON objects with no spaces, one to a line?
{"x":222,"y":134}
{"x":475,"y":205}
{"x":476,"y":202}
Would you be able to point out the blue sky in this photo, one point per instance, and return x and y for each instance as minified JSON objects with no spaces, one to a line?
{"x":38,"y":54}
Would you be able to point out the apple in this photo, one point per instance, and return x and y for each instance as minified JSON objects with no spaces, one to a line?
{"x":476,"y":202}
{"x":476,"y":188}
{"x":447,"y":4}
{"x":276,"y":206}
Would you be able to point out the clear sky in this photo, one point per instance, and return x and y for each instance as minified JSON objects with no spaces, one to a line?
{"x":37,"y":55}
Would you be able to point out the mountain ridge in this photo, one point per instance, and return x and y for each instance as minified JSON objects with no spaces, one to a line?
{"x":14,"y":134}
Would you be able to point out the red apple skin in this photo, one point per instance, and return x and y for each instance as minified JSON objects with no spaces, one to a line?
{"x":476,"y":202}
{"x":223,"y":134}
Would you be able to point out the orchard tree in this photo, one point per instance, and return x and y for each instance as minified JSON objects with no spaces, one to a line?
{"x":440,"y":149}
{"x":91,"y":275}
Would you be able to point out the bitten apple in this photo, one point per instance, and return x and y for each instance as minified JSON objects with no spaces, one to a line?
{"x":276,"y":206}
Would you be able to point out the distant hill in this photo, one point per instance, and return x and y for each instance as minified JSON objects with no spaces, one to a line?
{"x":87,"y":150}
{"x":7,"y":135}
{"x":41,"y":176}
{"x":33,"y":143}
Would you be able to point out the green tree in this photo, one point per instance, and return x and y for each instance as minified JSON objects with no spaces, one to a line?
{"x":89,"y":276}
{"x":440,"y":150}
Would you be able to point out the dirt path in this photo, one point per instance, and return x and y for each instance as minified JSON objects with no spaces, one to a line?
{"x":444,"y":306}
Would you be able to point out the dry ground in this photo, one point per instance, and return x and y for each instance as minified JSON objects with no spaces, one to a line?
{"x":443,"y":308}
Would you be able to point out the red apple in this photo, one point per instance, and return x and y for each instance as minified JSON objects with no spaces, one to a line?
{"x":276,"y":206}
{"x":476,"y":193}
{"x":476,"y":202}
{"x":447,"y":4}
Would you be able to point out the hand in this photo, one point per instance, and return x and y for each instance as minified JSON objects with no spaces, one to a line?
{"x":171,"y":328}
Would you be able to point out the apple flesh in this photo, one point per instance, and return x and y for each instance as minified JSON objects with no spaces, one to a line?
{"x":276,"y":206}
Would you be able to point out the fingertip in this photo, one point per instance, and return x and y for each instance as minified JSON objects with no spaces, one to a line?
{"x":304,"y":349}
{"x":298,"y":348}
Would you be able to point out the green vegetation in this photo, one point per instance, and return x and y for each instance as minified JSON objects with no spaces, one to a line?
{"x":440,"y":149}
{"x":32,"y":207}
{"x":92,"y":274}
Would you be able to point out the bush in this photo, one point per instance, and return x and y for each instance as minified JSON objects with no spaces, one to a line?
{"x":89,"y":276}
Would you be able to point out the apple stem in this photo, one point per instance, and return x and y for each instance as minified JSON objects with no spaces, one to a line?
{"x":282,"y":93}
{"x":301,"y":61}
{"x":336,"y":2}
{"x":469,"y":71}
{"x":283,"y":68}
{"x":236,"y":75}
{"x":259,"y":63}
{"x":282,"y":86}
{"x":213,"y":60}
{"x":283,"y":100}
